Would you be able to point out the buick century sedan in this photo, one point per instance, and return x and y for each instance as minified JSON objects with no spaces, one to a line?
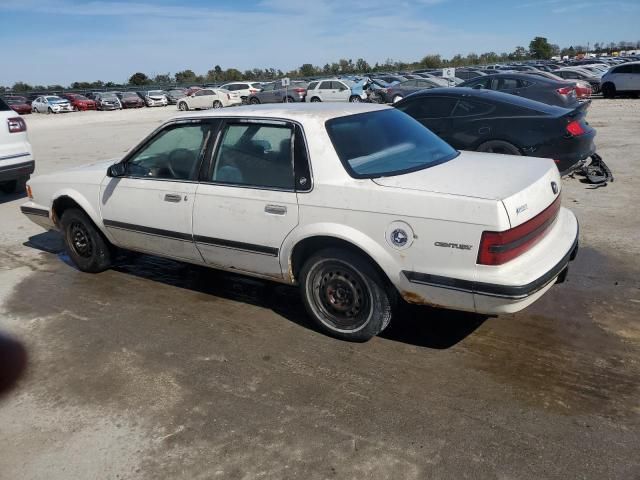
{"x":357,"y":204}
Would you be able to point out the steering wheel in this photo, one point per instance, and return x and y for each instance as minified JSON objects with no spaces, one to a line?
{"x":183,"y":157}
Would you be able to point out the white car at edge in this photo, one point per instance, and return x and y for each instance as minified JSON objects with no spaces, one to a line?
{"x":16,"y":156}
{"x":358,"y":204}
{"x":209,"y":98}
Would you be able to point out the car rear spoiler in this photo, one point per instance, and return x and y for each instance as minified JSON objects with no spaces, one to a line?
{"x":580,"y":110}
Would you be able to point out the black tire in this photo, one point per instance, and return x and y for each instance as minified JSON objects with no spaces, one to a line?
{"x":315,"y":99}
{"x":345,"y":295}
{"x":499,"y":146}
{"x":217,"y":104}
{"x":254,"y":101}
{"x":87,"y":247}
{"x":49,"y":110}
{"x":355,"y":99}
{"x":609,"y":90}
{"x":288,"y":100}
{"x":182,"y":106}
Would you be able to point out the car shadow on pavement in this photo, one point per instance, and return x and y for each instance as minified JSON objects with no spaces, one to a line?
{"x":10,"y":197}
{"x":415,"y":325}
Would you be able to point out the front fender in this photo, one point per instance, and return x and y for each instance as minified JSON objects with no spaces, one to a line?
{"x":86,"y":196}
{"x":341,"y":232}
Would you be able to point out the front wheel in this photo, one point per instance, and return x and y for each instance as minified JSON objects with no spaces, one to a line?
{"x":49,"y":110}
{"x":217,"y":104}
{"x":609,"y":90}
{"x":499,"y":146}
{"x":355,"y":99}
{"x":345,"y":295}
{"x":87,"y":247}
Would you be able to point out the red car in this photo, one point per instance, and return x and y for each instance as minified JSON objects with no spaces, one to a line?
{"x":79,"y":102}
{"x":18,"y":104}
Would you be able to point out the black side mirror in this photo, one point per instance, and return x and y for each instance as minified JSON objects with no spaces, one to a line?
{"x":117,"y":170}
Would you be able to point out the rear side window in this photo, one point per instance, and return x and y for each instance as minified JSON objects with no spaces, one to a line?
{"x":255,"y":155}
{"x":467,"y":108}
{"x":385,"y":143}
{"x":507,"y":84}
{"x":3,"y":106}
{"x":429,"y":107}
{"x":325,"y":86}
{"x":623,"y":69}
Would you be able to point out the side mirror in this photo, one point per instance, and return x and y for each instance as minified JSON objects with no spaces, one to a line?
{"x":117,"y":170}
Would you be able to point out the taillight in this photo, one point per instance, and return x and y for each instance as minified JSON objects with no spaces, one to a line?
{"x":253,"y":90}
{"x":16,"y":125}
{"x":575,"y":128}
{"x":566,"y":90}
{"x":497,"y":248}
{"x":299,"y":90}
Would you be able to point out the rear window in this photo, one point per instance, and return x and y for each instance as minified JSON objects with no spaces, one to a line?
{"x":3,"y":106}
{"x":385,"y":143}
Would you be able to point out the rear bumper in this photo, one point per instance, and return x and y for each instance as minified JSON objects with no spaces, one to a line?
{"x":16,"y":170}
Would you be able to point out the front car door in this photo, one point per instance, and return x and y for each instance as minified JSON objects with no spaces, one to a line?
{"x":149,"y":208}
{"x":247,"y":204}
{"x":433,"y":112}
{"x":340,"y":91}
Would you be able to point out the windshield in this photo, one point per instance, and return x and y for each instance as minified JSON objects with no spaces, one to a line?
{"x":108,"y":96}
{"x":56,"y":99}
{"x":130,"y":95}
{"x":385,"y":143}
{"x":78,"y":97}
{"x":155,"y":93}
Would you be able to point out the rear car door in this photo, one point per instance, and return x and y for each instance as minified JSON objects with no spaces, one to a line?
{"x":149,"y":208}
{"x":341,"y":92}
{"x":434,"y":112}
{"x":324,"y":91}
{"x":471,"y":124}
{"x":246,"y":203}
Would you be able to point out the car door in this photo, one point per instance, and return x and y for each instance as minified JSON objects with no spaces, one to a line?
{"x":201,"y":99}
{"x":341,"y":91}
{"x":472,"y":123}
{"x":149,"y":208}
{"x":247,"y":203}
{"x":324,"y":91}
{"x":434,"y":112}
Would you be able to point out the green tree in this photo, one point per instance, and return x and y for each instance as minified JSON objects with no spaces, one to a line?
{"x":186,"y":76}
{"x":431,"y":61}
{"x":308,"y":70}
{"x":139,"y":78}
{"x":232,"y":75}
{"x":163,"y":78}
{"x":519,"y":53}
{"x":21,"y":87}
{"x":540,"y":48}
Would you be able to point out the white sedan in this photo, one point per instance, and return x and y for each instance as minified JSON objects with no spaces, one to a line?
{"x":358,"y":204}
{"x":51,"y":104}
{"x":209,"y":98}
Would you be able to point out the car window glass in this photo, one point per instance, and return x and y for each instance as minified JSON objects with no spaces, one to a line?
{"x":624,"y":69}
{"x":255,"y":155}
{"x":325,"y":86}
{"x":635,"y":68}
{"x":483,"y":83}
{"x":268,"y":87}
{"x":467,"y":108}
{"x":173,"y":154}
{"x":312,"y":85}
{"x":431,"y":107}
{"x":524,"y":83}
{"x":507,"y":84}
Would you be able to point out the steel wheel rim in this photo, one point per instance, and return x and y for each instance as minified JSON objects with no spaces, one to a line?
{"x":80,"y":240}
{"x":340,"y":296}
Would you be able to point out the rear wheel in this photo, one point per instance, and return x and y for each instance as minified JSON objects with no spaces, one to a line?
{"x":499,"y":146}
{"x":87,"y":247}
{"x":355,"y":99}
{"x":217,"y":104}
{"x":609,"y":90}
{"x":315,"y":99}
{"x":288,"y":100}
{"x":254,"y":101}
{"x":345,"y":295}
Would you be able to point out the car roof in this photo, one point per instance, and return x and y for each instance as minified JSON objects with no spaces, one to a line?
{"x":292,"y":111}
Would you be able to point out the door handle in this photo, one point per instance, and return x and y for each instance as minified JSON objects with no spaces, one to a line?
{"x":276,"y":209}
{"x":169,"y":197}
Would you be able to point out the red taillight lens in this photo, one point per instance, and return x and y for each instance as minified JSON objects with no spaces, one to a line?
{"x":497,"y":248}
{"x":575,"y":128}
{"x":16,"y":125}
{"x":566,"y":90}
{"x":299,"y":90}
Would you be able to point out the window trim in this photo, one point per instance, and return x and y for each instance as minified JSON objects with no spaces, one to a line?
{"x":206,"y":169}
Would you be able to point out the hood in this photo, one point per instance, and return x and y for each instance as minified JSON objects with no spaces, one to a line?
{"x":91,"y":174}
{"x":523,"y":184}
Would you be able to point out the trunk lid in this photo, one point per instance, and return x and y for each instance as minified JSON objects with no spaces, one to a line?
{"x":522,"y":184}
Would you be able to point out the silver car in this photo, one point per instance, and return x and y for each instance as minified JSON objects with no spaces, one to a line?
{"x":51,"y":104}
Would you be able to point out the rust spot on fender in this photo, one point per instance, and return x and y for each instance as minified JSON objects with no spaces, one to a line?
{"x":416,"y":299}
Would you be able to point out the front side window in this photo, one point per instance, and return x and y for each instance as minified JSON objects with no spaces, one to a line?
{"x":255,"y":155}
{"x":268,"y":87}
{"x":467,"y":108}
{"x":173,"y":154}
{"x":312,"y":85}
{"x":325,"y":86}
{"x":385,"y":143}
{"x":202,"y":93}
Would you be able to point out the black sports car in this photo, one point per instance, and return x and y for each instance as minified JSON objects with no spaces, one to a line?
{"x":488,"y":121}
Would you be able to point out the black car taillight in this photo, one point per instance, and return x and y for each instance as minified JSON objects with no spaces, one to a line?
{"x":497,"y":248}
{"x":16,"y":125}
{"x":575,"y":128}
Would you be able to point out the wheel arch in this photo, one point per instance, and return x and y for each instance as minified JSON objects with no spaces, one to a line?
{"x":65,"y":199}
{"x":299,"y":250}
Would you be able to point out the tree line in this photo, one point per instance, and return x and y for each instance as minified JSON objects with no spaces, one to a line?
{"x":539,"y":48}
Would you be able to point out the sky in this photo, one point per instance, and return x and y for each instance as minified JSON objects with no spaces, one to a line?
{"x":61,"y":41}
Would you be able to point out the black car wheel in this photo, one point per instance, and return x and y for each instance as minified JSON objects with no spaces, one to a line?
{"x":254,"y":101}
{"x":183,"y":106}
{"x":288,"y":100}
{"x":315,"y":99}
{"x":499,"y":146}
{"x":609,"y":90}
{"x":217,"y":104}
{"x":87,"y":247}
{"x":355,"y":99}
{"x":345,"y":295}
{"x":49,"y":110}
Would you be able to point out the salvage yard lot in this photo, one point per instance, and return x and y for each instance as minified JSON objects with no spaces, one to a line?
{"x":157,"y":369}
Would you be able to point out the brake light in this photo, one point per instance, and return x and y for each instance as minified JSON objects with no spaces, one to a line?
{"x":497,"y":248}
{"x":299,"y":90}
{"x":566,"y":90}
{"x":16,"y":125}
{"x":575,"y":128}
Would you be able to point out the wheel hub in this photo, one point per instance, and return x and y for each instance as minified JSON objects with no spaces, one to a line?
{"x":80,"y":240}
{"x":341,"y":294}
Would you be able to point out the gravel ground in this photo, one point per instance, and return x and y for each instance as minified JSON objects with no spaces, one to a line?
{"x":157,"y":369}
